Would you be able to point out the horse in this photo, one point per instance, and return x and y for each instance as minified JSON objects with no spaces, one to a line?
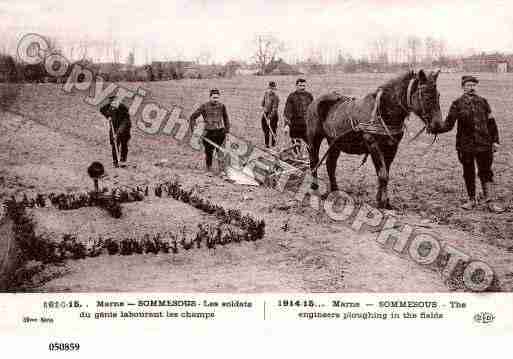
{"x":372,"y":125}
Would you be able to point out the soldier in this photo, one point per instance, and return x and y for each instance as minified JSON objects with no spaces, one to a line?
{"x":119,"y":130}
{"x":270,"y":104}
{"x":477,"y":138}
{"x":217,"y":124}
{"x":295,"y":114}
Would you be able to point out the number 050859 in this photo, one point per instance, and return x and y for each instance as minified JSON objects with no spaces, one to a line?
{"x":63,"y":347}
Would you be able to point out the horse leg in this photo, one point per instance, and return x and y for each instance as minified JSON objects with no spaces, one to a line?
{"x":331,"y":166}
{"x":381,"y":169}
{"x":389,"y":155}
{"x":315,"y":145}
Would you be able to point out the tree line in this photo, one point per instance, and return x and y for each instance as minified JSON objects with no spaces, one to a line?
{"x":384,"y":54}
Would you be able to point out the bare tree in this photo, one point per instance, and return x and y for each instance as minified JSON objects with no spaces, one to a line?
{"x":179,"y":53}
{"x":94,"y":49}
{"x":430,"y":49}
{"x":83,"y":48}
{"x":204,"y":57}
{"x":71,"y":50}
{"x":130,"y":59}
{"x":4,"y":46}
{"x":315,"y":54}
{"x":78,"y":49}
{"x":116,"y":52}
{"x":413,"y":45}
{"x":380,"y":50}
{"x":54,"y":47}
{"x":397,"y":50}
{"x":147,"y":55}
{"x":267,"y":47}
{"x":440,"y":48}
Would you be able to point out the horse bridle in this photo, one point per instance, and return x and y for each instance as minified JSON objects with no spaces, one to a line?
{"x":409,"y":100}
{"x":423,"y":114}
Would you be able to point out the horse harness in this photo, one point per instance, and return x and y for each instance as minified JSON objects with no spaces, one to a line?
{"x":376,"y":124}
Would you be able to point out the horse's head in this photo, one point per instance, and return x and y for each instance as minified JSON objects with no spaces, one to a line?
{"x":424,"y":99}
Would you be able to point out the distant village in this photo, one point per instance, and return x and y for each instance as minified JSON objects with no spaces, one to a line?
{"x":10,"y":70}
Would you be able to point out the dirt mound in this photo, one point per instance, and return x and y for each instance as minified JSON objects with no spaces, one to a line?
{"x":150,"y":216}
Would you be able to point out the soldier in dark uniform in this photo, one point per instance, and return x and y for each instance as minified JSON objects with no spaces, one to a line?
{"x":477,"y":138}
{"x":270,"y":104}
{"x":217,"y":124}
{"x":119,"y":130}
{"x":295,"y":114}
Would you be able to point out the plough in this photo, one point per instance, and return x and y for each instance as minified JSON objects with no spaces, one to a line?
{"x":284,"y":161}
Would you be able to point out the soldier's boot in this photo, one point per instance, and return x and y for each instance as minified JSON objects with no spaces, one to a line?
{"x":220,"y":165}
{"x":486,"y":191}
{"x":470,"y":204}
{"x":489,"y":197}
{"x":115,"y":162}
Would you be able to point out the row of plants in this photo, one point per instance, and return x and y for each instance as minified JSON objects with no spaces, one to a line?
{"x":111,"y":202}
{"x":70,"y":201}
{"x":32,"y":247}
{"x":47,"y":250}
{"x":255,"y":228}
{"x":208,"y":236}
{"x":224,"y":232}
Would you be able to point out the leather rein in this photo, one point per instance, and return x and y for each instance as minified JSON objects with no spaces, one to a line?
{"x":409,"y":109}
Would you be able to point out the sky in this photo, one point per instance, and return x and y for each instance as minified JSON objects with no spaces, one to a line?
{"x":224,"y":28}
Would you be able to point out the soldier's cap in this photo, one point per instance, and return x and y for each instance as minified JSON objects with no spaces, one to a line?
{"x":111,"y":97}
{"x":466,"y":78}
{"x":300,"y":80}
{"x":214,"y":91}
{"x":272,"y":84}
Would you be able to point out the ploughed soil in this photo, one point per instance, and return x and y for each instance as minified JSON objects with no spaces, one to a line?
{"x":302,"y":251}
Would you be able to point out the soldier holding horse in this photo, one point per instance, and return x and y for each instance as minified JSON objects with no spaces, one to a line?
{"x":477,"y":138}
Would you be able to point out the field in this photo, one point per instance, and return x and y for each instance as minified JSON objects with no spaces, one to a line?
{"x":48,"y":139}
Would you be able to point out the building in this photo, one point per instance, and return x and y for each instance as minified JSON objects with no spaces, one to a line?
{"x":191,"y":72}
{"x":484,"y":63}
{"x":502,"y":67}
{"x":246,"y":70}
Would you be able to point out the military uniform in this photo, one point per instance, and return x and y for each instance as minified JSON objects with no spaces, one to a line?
{"x":476,"y":133}
{"x":295,"y":113}
{"x":270,"y":104}
{"x":217,"y":125}
{"x":120,"y":120}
